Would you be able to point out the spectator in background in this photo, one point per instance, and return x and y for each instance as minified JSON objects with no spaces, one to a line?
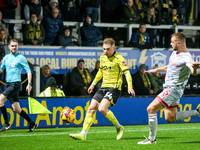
{"x":142,"y":83}
{"x":80,"y":79}
{"x":51,"y":89}
{"x":174,"y":18}
{"x":68,"y":40}
{"x":183,"y":8}
{"x":140,"y":8}
{"x":129,"y":13}
{"x":3,"y":38}
{"x":157,"y":81}
{"x":3,"y":51}
{"x":69,"y":9}
{"x":33,"y":32}
{"x":46,"y":74}
{"x":8,"y":8}
{"x":22,"y":5}
{"x":44,"y":3}
{"x":140,"y":38}
{"x":110,"y":11}
{"x":151,"y":19}
{"x":91,"y":8}
{"x":33,"y":7}
{"x":93,"y":73}
{"x":48,"y":9}
{"x":3,"y":26}
{"x":90,"y":34}
{"x":53,"y":26}
{"x":155,"y":4}
{"x":166,"y":6}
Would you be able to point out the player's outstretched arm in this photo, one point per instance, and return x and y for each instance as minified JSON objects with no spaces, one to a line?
{"x":194,"y":68}
{"x":161,"y":69}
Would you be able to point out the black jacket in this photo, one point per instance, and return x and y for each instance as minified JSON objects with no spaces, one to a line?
{"x":138,"y":85}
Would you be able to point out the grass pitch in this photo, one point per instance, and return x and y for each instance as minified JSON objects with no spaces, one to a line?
{"x":169,"y":137}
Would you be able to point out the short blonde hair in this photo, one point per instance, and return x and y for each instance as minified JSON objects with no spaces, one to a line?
{"x":180,"y":36}
{"x":110,"y":41}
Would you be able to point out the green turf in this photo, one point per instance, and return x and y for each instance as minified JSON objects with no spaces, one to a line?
{"x":169,"y":136}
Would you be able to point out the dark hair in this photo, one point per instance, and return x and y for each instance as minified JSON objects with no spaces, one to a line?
{"x":13,"y":40}
{"x":142,"y":24}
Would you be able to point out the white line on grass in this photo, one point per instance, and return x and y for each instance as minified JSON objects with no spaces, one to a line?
{"x":39,"y":134}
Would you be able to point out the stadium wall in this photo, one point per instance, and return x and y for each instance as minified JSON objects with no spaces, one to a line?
{"x":129,"y":111}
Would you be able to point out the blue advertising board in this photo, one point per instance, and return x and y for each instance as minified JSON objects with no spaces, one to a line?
{"x":61,"y":61}
{"x":129,"y":111}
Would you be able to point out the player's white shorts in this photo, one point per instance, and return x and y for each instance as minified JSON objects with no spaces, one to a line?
{"x":170,"y":97}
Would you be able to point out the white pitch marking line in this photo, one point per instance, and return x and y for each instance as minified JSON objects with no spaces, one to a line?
{"x":39,"y":134}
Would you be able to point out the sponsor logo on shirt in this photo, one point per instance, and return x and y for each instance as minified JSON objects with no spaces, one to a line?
{"x":13,"y":65}
{"x":124,"y":63}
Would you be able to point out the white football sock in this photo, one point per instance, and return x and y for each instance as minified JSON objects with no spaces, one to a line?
{"x":153,"y":122}
{"x":84,"y":132}
{"x":181,"y":115}
{"x":118,"y":126}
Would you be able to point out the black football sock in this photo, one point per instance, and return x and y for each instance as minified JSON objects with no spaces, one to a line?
{"x":25,"y":116}
{"x":4,"y":112}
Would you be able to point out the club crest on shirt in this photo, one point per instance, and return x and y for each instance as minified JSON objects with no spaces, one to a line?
{"x":13,"y":65}
{"x":124,"y":63}
{"x":191,"y":60}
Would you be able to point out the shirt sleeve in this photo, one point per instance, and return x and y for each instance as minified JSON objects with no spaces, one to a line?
{"x":25,"y":65}
{"x":189,"y":62}
{"x":99,"y":74}
{"x":3,"y":63}
{"x":122,"y":64}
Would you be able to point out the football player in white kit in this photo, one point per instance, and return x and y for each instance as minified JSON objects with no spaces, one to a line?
{"x":177,"y":74}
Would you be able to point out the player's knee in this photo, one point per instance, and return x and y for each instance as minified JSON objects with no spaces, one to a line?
{"x":169,"y":119}
{"x":149,"y":110}
{"x":1,"y":104}
{"x":103,"y":111}
{"x":91,"y":111}
{"x":15,"y":109}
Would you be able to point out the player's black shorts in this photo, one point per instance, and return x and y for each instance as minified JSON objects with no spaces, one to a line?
{"x":12,"y":91}
{"x":110,"y":94}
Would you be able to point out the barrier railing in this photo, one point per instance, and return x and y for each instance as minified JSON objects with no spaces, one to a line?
{"x":129,"y":27}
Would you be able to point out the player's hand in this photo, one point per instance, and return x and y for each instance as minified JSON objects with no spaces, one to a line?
{"x":196,"y":65}
{"x":131,"y":91}
{"x":90,"y":89}
{"x":29,"y":88}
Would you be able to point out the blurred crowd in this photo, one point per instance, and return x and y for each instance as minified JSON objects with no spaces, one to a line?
{"x":45,"y":20}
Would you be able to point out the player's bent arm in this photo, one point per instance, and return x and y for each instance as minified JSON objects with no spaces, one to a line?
{"x":128,"y":78}
{"x":98,"y":76}
{"x":162,"y":69}
{"x":194,"y":71}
